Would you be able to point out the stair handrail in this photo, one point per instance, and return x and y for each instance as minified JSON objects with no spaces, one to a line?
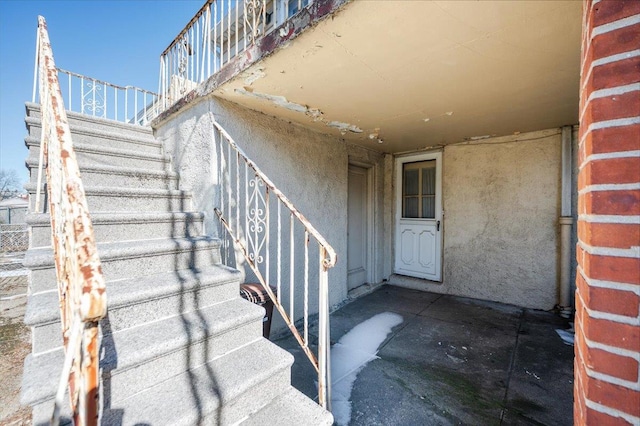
{"x":257,"y":231}
{"x":81,"y":286}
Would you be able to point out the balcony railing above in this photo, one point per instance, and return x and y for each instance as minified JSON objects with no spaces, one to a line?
{"x":219,"y":31}
{"x":96,"y":98}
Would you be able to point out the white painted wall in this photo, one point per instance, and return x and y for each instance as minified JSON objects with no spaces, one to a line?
{"x":501,"y":199}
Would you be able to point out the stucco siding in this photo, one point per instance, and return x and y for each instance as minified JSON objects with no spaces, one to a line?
{"x":501,"y":201}
{"x":501,"y":211}
{"x":310,"y":168}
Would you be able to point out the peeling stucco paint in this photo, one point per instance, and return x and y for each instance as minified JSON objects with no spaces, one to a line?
{"x":314,"y":113}
{"x":264,"y":46}
{"x":286,"y":30}
{"x":281,"y":101}
{"x":476,"y":138}
{"x":251,"y":76}
{"x":344,"y":127}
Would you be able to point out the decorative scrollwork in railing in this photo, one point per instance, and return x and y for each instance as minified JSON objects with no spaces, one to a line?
{"x":257,"y":219}
{"x":97,"y":98}
{"x":271,"y":243}
{"x":93,"y":96}
{"x":254,"y":18}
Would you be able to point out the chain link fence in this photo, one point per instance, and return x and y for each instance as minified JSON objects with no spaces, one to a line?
{"x":14,"y":238}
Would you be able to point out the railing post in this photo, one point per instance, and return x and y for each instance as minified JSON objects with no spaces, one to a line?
{"x":82,"y":95}
{"x":70,"y":93}
{"x":323,"y":334}
{"x":292,"y":268}
{"x":135,"y":104}
{"x":35,"y":67}
{"x":208,"y":29}
{"x":229,"y":31}
{"x":40,"y":160}
{"x":215,"y":40}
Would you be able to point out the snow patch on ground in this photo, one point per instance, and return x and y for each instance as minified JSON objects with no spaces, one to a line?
{"x":349,"y":356}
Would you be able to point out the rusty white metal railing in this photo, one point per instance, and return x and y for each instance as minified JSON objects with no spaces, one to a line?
{"x":97,"y":98}
{"x":281,"y":247}
{"x":219,"y":31}
{"x":81,"y":287}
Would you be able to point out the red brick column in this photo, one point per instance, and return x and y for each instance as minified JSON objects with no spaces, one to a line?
{"x":607,"y":385}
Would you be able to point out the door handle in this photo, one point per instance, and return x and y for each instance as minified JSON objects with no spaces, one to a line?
{"x":438,"y":226}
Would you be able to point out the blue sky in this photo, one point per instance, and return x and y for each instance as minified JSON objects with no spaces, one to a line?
{"x":116,"y":41}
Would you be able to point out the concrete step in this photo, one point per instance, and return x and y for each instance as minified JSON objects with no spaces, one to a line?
{"x":292,"y":408}
{"x":125,"y":226}
{"x":133,"y":302}
{"x":116,"y":199}
{"x":116,"y":176}
{"x":179,"y":346}
{"x":105,"y":155}
{"x":220,"y":392}
{"x":33,"y":110}
{"x":92,"y":130}
{"x":130,"y":259}
{"x":145,"y":356}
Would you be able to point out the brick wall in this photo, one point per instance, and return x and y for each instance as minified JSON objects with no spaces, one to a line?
{"x":607,"y":383}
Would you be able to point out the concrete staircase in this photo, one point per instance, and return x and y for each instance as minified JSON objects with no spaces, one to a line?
{"x":179,"y":345}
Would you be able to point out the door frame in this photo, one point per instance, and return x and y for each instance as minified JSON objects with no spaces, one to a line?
{"x":439,"y":212}
{"x":369,"y":206}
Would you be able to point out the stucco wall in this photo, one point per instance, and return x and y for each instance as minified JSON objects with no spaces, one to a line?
{"x":501,"y":199}
{"x":310,"y":168}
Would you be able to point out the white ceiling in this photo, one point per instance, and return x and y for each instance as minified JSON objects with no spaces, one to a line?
{"x":416,"y":74}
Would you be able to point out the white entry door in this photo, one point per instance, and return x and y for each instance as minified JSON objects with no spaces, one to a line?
{"x":357,"y":227}
{"x":419,"y":216}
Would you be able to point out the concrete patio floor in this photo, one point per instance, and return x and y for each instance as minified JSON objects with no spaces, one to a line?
{"x":453,"y":361}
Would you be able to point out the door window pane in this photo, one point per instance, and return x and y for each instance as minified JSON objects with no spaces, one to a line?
{"x":419,"y":190}
{"x":428,"y":180}
{"x":428,"y":207}
{"x":411,"y":182}
{"x":411,"y":207}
